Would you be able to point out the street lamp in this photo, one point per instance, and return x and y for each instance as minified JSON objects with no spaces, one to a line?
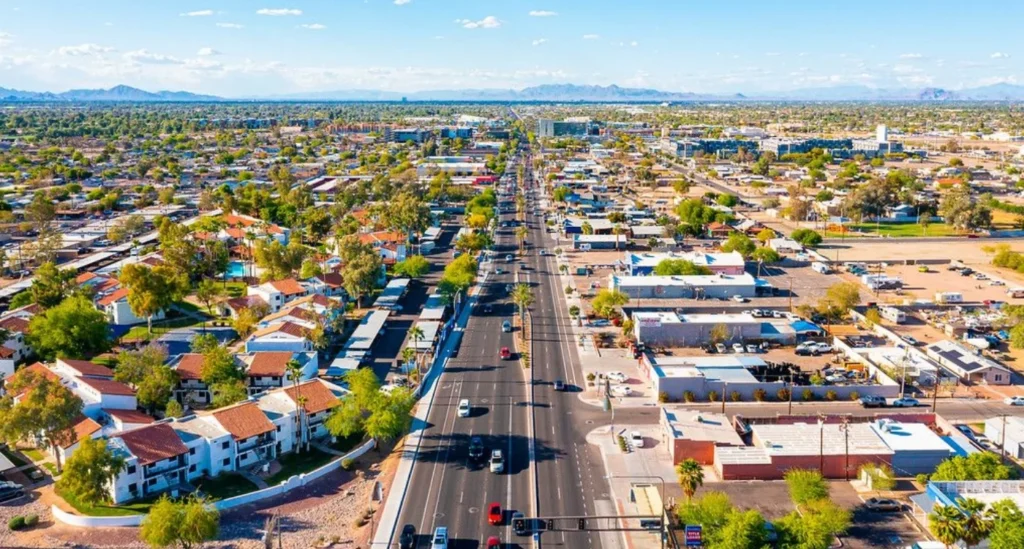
{"x":664,"y":523}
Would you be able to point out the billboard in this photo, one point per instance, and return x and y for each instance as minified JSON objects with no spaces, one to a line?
{"x":693,"y":536}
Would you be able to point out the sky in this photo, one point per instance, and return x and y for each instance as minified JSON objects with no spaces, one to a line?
{"x":251,"y":48}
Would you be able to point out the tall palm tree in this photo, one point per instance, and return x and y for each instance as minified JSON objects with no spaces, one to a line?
{"x":977,"y":524}
{"x":408,"y":354}
{"x":691,"y":477}
{"x":946,"y":523}
{"x":295,"y":372}
{"x":417,"y":335}
{"x":522,"y":296}
{"x":618,"y":230}
{"x":521,"y":233}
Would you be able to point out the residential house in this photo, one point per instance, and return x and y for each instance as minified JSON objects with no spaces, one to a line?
{"x":253,"y":436}
{"x":156,"y":460}
{"x":239,"y":227}
{"x":66,"y":367}
{"x":232,"y":307}
{"x":269,"y":369}
{"x":284,"y":336}
{"x":191,"y":388}
{"x":16,"y":323}
{"x":718,"y":230}
{"x":98,"y":394}
{"x":968,"y":365}
{"x":115,"y":306}
{"x":278,"y":293}
{"x":126,"y":420}
{"x":326,"y":284}
{"x":319,"y":397}
{"x":84,"y":428}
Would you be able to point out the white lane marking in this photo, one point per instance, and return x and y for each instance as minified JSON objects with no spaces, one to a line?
{"x":447,"y":452}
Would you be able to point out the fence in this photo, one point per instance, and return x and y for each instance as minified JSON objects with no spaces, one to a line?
{"x":292,"y":483}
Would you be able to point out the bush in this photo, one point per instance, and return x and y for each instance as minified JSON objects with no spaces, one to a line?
{"x":17,"y":522}
{"x":31,"y":520}
{"x":663,"y":397}
{"x":882,"y":477}
{"x":805,"y":486}
{"x":922,"y":478}
{"x":688,"y":396}
{"x":347,"y":464}
{"x":760,"y":395}
{"x":808,"y":395}
{"x":568,"y":290}
{"x":854,"y":395}
{"x":574,"y":311}
{"x":735,"y":396}
{"x":712,"y":396}
{"x":783,"y":394}
{"x":831,"y":395}
{"x":622,"y":443}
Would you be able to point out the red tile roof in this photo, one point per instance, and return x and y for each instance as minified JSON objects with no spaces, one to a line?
{"x":6,"y":352}
{"x":130,"y":416}
{"x":289,"y":328}
{"x":244,"y":420}
{"x":317,"y":396}
{"x":113,"y":297}
{"x":153,"y":443}
{"x":190,"y":366}
{"x":15,"y":324}
{"x":239,"y":303}
{"x":108,"y":386}
{"x":82,"y":430}
{"x":85,"y":277}
{"x":269,"y":363}
{"x":333,"y":280}
{"x":87,"y":368}
{"x":288,"y":286}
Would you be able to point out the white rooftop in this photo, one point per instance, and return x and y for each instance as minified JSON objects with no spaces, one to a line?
{"x":744,"y":279}
{"x":801,"y":439}
{"x":908,"y":436}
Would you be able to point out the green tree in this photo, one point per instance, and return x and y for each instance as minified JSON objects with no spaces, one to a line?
{"x":814,"y":527}
{"x":157,"y":387}
{"x":727,"y":200}
{"x":219,"y":366}
{"x":414,"y":266}
{"x":839,"y":299}
{"x":89,"y":471}
{"x":72,"y":329}
{"x":587,"y":228}
{"x":976,"y":466}
{"x":742,"y":530}
{"x":361,"y":275}
{"x":186,"y":523}
{"x":50,"y":285}
{"x":679,"y":267}
{"x":805,"y":486}
{"x":739,"y":242}
{"x":607,"y":301}
{"x":711,"y":510}
{"x":458,"y":276}
{"x":946,"y":523}
{"x":45,"y":408}
{"x":560,"y":193}
{"x":246,"y":319}
{"x":977,"y":524}
{"x":367,"y":409}
{"x":719,"y":333}
{"x":152,"y":290}
{"x":764,"y":235}
{"x":806,"y":237}
{"x":962,"y":212}
{"x":294,"y":369}
{"x":209,"y":292}
{"x":691,"y":477}
{"x":1007,"y":525}
{"x":522,"y":296}
{"x":766,"y":255}
{"x":173,"y":409}
{"x":227,"y":393}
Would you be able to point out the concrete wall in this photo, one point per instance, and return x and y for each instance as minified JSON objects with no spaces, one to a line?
{"x":835,"y":466}
{"x":94,"y":522}
{"x":684,"y":334}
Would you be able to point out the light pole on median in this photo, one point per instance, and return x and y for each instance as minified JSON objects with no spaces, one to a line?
{"x":664,"y":522}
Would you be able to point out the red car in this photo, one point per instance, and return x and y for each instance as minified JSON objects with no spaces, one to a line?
{"x":494,"y":514}
{"x":493,"y":542}
{"x":505,"y":353}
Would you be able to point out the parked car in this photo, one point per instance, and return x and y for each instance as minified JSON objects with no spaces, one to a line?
{"x":752,"y":349}
{"x":497,"y":461}
{"x":509,"y":258}
{"x":883,"y":505}
{"x":1014,"y":400}
{"x":737,"y":347}
{"x":739,"y":299}
{"x":408,"y":538}
{"x":618,"y":377}
{"x":871,"y":401}
{"x":823,"y":348}
{"x":494,"y":514}
{"x":464,"y":408}
{"x":506,"y":353}
{"x":636,"y":439}
{"x":600,"y":323}
{"x":905,"y":402}
{"x":911,"y":341}
{"x":720,"y":348}
{"x":488,"y":308}
{"x":621,"y":390}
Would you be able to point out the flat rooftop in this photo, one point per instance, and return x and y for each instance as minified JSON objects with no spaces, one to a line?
{"x":745,"y":279}
{"x":700,"y":425}
{"x":909,"y":436}
{"x":725,"y":368}
{"x":802,"y":439}
{"x":666,"y":317}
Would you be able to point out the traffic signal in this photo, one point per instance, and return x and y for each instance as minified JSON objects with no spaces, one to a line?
{"x":551,"y":524}
{"x":581,"y":524}
{"x":519,"y":524}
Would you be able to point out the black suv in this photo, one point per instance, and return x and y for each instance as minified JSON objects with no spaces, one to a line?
{"x":408,"y":538}
{"x":476,"y":448}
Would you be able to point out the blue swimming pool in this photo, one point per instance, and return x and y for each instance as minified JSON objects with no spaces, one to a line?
{"x":236,"y":269}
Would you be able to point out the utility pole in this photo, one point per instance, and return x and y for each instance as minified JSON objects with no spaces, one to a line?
{"x":846,"y":434}
{"x":790,"y":392}
{"x":791,"y":294}
{"x":1002,"y":441}
{"x":724,"y":392}
{"x":821,"y":445}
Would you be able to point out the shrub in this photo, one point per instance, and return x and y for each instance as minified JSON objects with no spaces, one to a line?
{"x":31,"y":520}
{"x":922,"y":478}
{"x":712,"y":396}
{"x":735,"y":396}
{"x":808,"y":395}
{"x":622,"y":443}
{"x":688,"y":396}
{"x":591,"y":376}
{"x":347,"y":464}
{"x":17,"y":522}
{"x":783,"y":394}
{"x":854,"y":395}
{"x":805,"y":486}
{"x":882,"y":477}
{"x":574,"y":311}
{"x":760,"y":394}
{"x":831,"y":395}
{"x":568,"y":290}
{"x":663,"y":397}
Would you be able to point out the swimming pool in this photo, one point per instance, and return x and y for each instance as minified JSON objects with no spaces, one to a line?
{"x":236,"y":269}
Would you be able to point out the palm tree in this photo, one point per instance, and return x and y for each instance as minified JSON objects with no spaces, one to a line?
{"x":295,"y":372}
{"x":587,"y":228}
{"x":691,"y":477}
{"x":946,"y":523}
{"x":617,"y":230}
{"x":521,"y":233}
{"x":520,"y":205}
{"x":976,"y":525}
{"x":408,"y":354}
{"x":417,"y":335}
{"x":522,"y":296}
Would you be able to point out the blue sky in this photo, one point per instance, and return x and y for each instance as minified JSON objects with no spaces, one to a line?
{"x":247,"y":48}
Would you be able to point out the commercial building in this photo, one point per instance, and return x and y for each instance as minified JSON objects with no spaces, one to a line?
{"x":404,"y":135}
{"x":719,"y":147}
{"x":672,"y":330}
{"x":731,"y":263}
{"x":555,"y":128}
{"x":952,"y":493}
{"x":916,"y":448}
{"x":691,"y":434}
{"x":685,"y":287}
{"x":451,"y":165}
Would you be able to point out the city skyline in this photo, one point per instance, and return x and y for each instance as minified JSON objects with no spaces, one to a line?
{"x":238,"y":49}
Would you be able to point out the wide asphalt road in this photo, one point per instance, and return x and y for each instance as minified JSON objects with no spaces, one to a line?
{"x":447,"y":488}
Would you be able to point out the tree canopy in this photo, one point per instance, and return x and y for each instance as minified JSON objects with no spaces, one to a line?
{"x":679,"y":267}
{"x":72,"y":329}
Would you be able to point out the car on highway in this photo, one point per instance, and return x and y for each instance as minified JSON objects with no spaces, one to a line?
{"x":883,"y":505}
{"x":488,"y":308}
{"x":476,"y":448}
{"x":617,"y":377}
{"x":872,"y":401}
{"x":464,"y":408}
{"x":493,"y":542}
{"x":440,"y":539}
{"x":621,"y":390}
{"x":519,"y":523}
{"x":1014,"y":400}
{"x":494,"y":514}
{"x":905,"y":402}
{"x":497,"y":461}
{"x":965,"y":429}
{"x":636,"y":439}
{"x":509,"y":258}
{"x":506,"y":326}
{"x":408,"y":538}
{"x":559,"y":385}
{"x":498,"y":270}
{"x":506,"y":353}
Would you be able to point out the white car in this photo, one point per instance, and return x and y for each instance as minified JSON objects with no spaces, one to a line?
{"x":636,"y":439}
{"x":753,"y":349}
{"x":464,"y":407}
{"x":737,"y":347}
{"x":739,"y":299}
{"x":621,"y":390}
{"x":823,"y":348}
{"x":1014,"y":401}
{"x":905,"y":402}
{"x":497,"y":461}
{"x":617,"y":377}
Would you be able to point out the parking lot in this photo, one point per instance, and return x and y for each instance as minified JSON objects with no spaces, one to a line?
{"x":919,"y":285}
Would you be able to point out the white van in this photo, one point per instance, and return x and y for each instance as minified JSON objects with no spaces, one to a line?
{"x":949,"y":297}
{"x":821,"y":268}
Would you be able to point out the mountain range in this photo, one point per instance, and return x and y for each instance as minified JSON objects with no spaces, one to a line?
{"x":545,"y":93}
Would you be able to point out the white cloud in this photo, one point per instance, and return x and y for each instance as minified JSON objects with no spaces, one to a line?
{"x":230,"y":26}
{"x":911,"y":56}
{"x":5,"y":38}
{"x":999,"y":55}
{"x":148,"y":57}
{"x":108,"y":24}
{"x":772,"y":54}
{"x":314,"y":26}
{"x":634,"y":43}
{"x":402,"y":2}
{"x":591,"y":36}
{"x":489,"y":22}
{"x":996,"y":80}
{"x":439,"y":37}
{"x":278,"y":12}
{"x":83,"y":49}
{"x":539,"y":41}
{"x":198,"y":13}
{"x":543,"y":13}
{"x":206,"y":52}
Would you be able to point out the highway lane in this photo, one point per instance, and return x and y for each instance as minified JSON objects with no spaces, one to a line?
{"x":446,"y":488}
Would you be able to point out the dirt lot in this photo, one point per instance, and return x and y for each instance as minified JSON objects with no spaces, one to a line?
{"x":918,"y":285}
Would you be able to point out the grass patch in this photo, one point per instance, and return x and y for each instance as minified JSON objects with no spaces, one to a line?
{"x":895,"y":230}
{"x":51,"y":468}
{"x":295,"y":463}
{"x":234,"y":289}
{"x":346,"y":444}
{"x":15,"y":458}
{"x":227,"y":485}
{"x":188,"y":307}
{"x":160,"y":328}
{"x":34,"y":454}
{"x":101,"y":510}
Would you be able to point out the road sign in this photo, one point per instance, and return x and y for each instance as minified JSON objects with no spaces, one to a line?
{"x":693,"y":536}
